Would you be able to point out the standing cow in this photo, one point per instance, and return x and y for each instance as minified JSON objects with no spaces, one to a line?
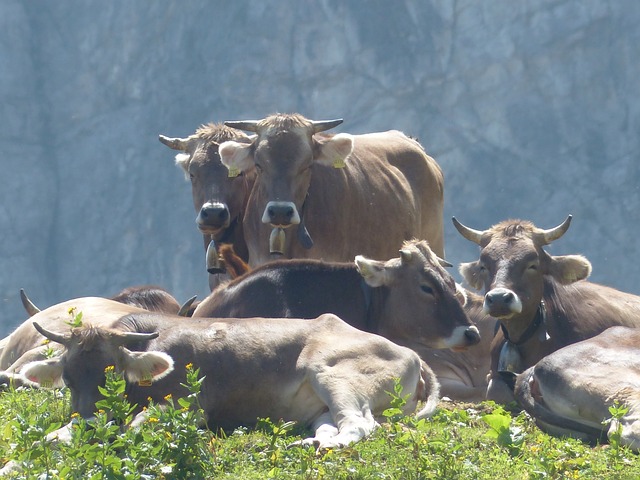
{"x":219,"y":199}
{"x":334,"y":197}
{"x":322,"y":372}
{"x":541,"y":301}
{"x":411,"y":300}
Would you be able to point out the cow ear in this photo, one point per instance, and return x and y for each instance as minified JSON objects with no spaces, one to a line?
{"x":146,"y":366}
{"x":46,"y":373}
{"x":373,"y":272}
{"x":335,"y":151}
{"x":471,"y":273}
{"x":461,"y":294}
{"x":236,"y":157}
{"x":567,"y":269}
{"x":182,"y":160}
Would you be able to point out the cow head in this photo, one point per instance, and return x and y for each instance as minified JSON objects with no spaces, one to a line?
{"x":283,"y":154}
{"x":217,"y":198}
{"x":423,"y":303}
{"x":513,"y":266}
{"x":88,"y":351}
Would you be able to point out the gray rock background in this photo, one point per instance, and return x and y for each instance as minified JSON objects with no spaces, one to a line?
{"x":531,"y":108}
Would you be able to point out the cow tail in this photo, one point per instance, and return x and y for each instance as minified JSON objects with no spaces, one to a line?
{"x":234,"y":265}
{"x":428,"y":391}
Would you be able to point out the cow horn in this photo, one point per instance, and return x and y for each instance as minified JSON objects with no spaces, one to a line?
{"x":248,"y":125}
{"x":443,"y":262}
{"x":405,"y":256}
{"x":54,"y":337}
{"x":28,"y":304}
{"x":470,"y":234}
{"x":174,"y":143}
{"x":322,"y":125}
{"x":184,"y":309}
{"x":556,"y":232}
{"x":127,"y":338}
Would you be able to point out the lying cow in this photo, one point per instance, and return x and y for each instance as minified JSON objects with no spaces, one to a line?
{"x":322,"y":373}
{"x":411,"y":300}
{"x":334,"y":197}
{"x":220,"y":200}
{"x":541,"y":301}
{"x":569,"y":392}
{"x":149,"y":297}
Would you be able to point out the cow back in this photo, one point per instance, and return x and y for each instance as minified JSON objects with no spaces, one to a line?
{"x":389,"y":191}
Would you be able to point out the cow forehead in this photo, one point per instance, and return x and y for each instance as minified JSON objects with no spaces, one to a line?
{"x":513,"y":249}
{"x":283,"y":143}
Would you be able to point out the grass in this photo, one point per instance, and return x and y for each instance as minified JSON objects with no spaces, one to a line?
{"x":475,"y":441}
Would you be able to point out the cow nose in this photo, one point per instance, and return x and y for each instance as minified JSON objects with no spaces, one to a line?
{"x":472,"y":335}
{"x":213,"y":214}
{"x":281,"y":214}
{"x":501,"y":302}
{"x":499,"y":296}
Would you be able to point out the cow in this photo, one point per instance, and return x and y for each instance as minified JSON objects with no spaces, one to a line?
{"x":219,"y":199}
{"x":334,"y":196}
{"x":321,"y":373}
{"x":570,"y":391}
{"x":25,"y":343}
{"x":149,"y":297}
{"x":411,"y":300}
{"x":543,"y":302}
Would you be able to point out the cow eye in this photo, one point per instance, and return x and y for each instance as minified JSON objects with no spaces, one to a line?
{"x":258,"y":168}
{"x":533,"y":266}
{"x":426,"y":289}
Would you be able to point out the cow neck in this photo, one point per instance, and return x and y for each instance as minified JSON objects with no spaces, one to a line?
{"x":538,"y":321}
{"x":373,"y":300}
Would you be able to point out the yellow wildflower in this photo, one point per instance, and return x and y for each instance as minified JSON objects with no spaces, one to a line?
{"x":109,"y":368}
{"x":167,"y":397}
{"x":189,"y":366}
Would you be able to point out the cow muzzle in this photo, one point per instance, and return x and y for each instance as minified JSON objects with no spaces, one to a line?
{"x":502,"y":303}
{"x":464,"y":337}
{"x":281,"y":214}
{"x":213,"y":217}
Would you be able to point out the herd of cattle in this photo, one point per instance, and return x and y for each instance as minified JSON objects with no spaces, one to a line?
{"x":330,"y":248}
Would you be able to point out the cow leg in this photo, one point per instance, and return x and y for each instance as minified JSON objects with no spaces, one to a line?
{"x":324,"y":429}
{"x":353,"y":426}
{"x":630,"y":431}
{"x":349,"y":418}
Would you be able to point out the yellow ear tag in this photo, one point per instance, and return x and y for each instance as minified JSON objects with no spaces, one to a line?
{"x":233,"y":172}
{"x":145,"y":381}
{"x":339,"y":163}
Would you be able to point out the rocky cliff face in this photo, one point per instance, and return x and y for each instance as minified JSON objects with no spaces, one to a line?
{"x":531,"y":108}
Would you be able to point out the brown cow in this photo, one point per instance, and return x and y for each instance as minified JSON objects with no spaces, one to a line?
{"x":219,"y":199}
{"x":321,"y":372}
{"x":540,"y":300}
{"x":339,"y":195}
{"x":569,"y":392}
{"x":411,"y":300}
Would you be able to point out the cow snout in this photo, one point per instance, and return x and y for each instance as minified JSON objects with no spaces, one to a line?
{"x":212,"y":217}
{"x":281,"y":214}
{"x":472,"y":335}
{"x":502,"y":302}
